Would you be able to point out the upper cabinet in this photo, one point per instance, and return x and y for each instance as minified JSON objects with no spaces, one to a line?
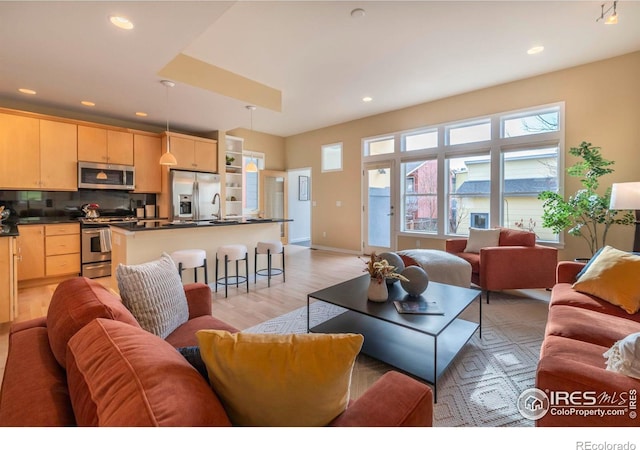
{"x":37,"y":154}
{"x":105,"y":146}
{"x":192,"y":153}
{"x":147,"y":151}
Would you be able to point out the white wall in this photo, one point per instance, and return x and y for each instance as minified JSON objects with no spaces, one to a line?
{"x":299,"y":211}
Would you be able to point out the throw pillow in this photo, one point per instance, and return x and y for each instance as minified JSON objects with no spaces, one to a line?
{"x":154,"y":294}
{"x":480,"y":238}
{"x":280,"y":380}
{"x":624,"y":356}
{"x":613,"y":276}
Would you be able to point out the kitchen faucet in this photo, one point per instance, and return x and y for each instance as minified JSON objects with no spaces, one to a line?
{"x":217,"y":216}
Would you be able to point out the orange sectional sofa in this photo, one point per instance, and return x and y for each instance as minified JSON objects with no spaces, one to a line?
{"x":88,"y":363}
{"x":572,"y":369}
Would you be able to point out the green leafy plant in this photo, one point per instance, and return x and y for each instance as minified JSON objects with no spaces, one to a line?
{"x":586,"y":213}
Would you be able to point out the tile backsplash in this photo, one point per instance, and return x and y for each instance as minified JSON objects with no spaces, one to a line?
{"x":68,"y":204}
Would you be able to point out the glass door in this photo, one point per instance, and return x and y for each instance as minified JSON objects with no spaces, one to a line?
{"x":273,"y":198}
{"x":378,"y":207}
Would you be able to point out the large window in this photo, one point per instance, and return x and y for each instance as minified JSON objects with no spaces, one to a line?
{"x":484,"y":172}
{"x":420,"y":205}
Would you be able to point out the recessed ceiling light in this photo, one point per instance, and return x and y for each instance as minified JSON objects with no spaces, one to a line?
{"x":27,"y":91}
{"x":121,"y":22}
{"x":535,"y":50}
{"x":367,"y":99}
{"x":141,"y":114}
{"x":87,"y":103}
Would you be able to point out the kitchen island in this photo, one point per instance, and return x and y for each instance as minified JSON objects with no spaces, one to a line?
{"x":133,"y":243}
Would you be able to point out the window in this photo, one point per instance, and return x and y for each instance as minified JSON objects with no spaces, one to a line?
{"x":251,"y":191}
{"x":483,"y":172}
{"x":531,"y":123}
{"x":470,"y":132}
{"x":381,"y":146}
{"x":420,"y":205}
{"x":420,"y":140}
{"x":332,"y":157}
{"x":526,"y":173}
{"x":469,"y":189}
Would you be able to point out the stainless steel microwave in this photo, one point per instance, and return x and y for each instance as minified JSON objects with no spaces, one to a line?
{"x":105,"y":176}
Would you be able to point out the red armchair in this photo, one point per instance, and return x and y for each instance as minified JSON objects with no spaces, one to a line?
{"x":516,"y":263}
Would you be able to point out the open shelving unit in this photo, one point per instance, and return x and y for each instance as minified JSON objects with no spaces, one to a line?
{"x":233,"y":178}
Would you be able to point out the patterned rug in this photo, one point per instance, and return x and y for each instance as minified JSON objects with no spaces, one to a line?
{"x":481,"y":387}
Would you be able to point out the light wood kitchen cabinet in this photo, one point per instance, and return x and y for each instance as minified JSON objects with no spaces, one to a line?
{"x":62,"y":249}
{"x":105,"y":146}
{"x":19,"y":152}
{"x":9,"y":291}
{"x":48,"y":250}
{"x":147,"y":151}
{"x":58,"y":156}
{"x":37,"y":154}
{"x":30,"y":252}
{"x":192,"y":153}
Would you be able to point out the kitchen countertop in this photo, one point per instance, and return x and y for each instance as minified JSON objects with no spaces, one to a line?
{"x":166,"y":225}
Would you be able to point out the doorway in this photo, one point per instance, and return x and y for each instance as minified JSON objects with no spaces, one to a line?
{"x":300,"y":206}
{"x":378,"y":207}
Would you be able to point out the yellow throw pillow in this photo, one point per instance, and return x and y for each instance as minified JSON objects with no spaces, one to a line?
{"x":280,"y":380}
{"x":613,"y":276}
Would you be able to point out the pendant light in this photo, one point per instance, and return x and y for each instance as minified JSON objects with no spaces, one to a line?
{"x":251,"y":166}
{"x":168,"y":159}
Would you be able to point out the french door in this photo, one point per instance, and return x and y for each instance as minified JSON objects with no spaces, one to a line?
{"x":378,"y":207}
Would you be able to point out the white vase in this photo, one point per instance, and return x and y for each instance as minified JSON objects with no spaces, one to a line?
{"x":377,"y":291}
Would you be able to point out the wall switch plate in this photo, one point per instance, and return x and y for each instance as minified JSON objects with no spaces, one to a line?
{"x":338,"y":203}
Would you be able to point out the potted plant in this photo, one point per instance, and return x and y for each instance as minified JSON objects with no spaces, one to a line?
{"x":229,"y":159}
{"x":586,"y":213}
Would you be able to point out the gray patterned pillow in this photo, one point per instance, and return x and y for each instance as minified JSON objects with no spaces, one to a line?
{"x":154,"y":294}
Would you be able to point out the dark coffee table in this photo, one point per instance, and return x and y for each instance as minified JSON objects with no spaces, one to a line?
{"x":422,"y":345}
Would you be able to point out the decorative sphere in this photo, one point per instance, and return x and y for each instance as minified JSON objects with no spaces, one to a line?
{"x":394,"y":260}
{"x":418,"y":280}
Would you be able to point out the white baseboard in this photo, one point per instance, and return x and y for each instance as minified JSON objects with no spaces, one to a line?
{"x":337,"y":250}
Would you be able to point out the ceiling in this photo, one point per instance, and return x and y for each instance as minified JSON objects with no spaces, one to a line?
{"x":322,"y":60}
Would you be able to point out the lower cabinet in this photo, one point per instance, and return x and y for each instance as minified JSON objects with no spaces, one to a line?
{"x":48,"y":250}
{"x":8,"y":268}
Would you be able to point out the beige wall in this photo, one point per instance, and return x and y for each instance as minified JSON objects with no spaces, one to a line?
{"x":602,"y":102}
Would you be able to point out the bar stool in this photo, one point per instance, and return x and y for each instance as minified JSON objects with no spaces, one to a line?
{"x":232,"y":252}
{"x":191,"y":259}
{"x":269,"y":248}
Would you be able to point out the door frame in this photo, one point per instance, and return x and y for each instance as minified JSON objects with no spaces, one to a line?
{"x":366,"y":166}
{"x":285,"y":176}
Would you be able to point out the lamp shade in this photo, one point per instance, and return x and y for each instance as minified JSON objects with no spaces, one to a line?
{"x":625,"y":196}
{"x":167,"y":159}
{"x":251,"y":167}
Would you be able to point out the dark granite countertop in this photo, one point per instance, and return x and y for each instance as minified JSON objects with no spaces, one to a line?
{"x":45,"y":220}
{"x":166,"y":225}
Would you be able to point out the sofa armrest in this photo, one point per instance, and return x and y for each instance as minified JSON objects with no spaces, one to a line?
{"x":455,"y":245}
{"x":518,"y":267}
{"x":26,"y":324}
{"x":199,"y":299}
{"x":567,"y":271}
{"x":393,"y":400}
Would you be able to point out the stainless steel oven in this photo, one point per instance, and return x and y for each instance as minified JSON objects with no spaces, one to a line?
{"x":95,"y":262}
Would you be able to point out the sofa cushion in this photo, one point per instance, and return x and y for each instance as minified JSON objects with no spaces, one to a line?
{"x":564,"y":294}
{"x":34,"y":387}
{"x":75,"y":303}
{"x":280,"y":380}
{"x":512,"y":237}
{"x":154,"y":294}
{"x":613,"y":276}
{"x":185,"y":334}
{"x":480,"y":238}
{"x":120,"y":375}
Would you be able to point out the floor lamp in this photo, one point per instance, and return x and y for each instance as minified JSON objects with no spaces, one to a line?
{"x":627,"y":196}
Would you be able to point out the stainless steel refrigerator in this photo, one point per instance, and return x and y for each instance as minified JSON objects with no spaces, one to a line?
{"x":194,"y":195}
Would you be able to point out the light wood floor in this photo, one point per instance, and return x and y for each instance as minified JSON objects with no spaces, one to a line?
{"x":307,"y":270}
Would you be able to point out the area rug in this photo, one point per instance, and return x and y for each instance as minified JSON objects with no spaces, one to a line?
{"x":481,"y":387}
